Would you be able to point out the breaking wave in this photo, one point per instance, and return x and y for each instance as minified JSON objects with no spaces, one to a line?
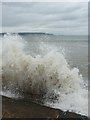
{"x":48,"y":77}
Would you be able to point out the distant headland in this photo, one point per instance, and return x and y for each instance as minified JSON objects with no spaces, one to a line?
{"x":23,"y":33}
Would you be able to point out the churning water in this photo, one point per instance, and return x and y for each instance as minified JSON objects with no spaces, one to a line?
{"x":54,"y":67}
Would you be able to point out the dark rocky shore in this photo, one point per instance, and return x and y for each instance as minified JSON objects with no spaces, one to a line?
{"x":12,"y":108}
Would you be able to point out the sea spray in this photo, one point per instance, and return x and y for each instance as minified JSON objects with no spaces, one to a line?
{"x":47,"y":76}
{"x":0,"y":63}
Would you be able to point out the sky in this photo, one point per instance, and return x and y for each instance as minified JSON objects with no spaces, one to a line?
{"x":62,"y":18}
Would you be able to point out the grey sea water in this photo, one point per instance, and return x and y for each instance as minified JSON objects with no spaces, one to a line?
{"x":75,"y":48}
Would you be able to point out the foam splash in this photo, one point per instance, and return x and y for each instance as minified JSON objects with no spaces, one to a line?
{"x":49,"y":75}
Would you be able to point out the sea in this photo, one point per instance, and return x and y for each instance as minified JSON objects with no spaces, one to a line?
{"x":54,"y":67}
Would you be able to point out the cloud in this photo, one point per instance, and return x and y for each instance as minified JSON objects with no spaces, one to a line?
{"x":45,"y":0}
{"x":57,"y":18}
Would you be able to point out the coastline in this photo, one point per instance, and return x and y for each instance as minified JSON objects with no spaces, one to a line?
{"x":12,"y":108}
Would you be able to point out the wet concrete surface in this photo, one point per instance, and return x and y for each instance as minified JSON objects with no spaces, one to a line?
{"x":12,"y":108}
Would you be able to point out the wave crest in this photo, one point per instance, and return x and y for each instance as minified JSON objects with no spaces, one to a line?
{"x":48,"y":76}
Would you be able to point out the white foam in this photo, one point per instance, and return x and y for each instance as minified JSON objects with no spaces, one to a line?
{"x":49,"y":73}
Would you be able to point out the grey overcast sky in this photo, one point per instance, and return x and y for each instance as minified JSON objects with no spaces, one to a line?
{"x":52,"y":17}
